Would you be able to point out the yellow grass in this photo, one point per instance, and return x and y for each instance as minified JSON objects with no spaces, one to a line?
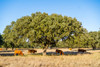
{"x":84,"y":60}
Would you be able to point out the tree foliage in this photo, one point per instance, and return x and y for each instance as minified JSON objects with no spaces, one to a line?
{"x":94,"y":39}
{"x":8,"y":36}
{"x":43,"y":30}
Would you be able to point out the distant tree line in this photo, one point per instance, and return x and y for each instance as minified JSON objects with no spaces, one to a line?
{"x":87,"y":40}
{"x":41,"y":30}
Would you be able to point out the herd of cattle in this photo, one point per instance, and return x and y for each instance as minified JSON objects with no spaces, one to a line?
{"x":19,"y":52}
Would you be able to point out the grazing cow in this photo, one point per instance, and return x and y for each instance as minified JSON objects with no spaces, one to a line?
{"x":1,"y":49}
{"x":19,"y":52}
{"x":59,"y":51}
{"x":32,"y":51}
{"x":70,"y":48}
{"x":81,"y":50}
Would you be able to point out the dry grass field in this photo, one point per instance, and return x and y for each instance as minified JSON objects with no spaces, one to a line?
{"x":70,"y":59}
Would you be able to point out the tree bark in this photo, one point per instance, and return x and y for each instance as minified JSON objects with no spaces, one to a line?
{"x":93,"y":47}
{"x":12,"y":48}
{"x":12,"y":45}
{"x":6,"y":48}
{"x":44,"y":51}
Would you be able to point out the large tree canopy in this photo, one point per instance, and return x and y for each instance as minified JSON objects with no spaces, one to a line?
{"x":44,"y":29}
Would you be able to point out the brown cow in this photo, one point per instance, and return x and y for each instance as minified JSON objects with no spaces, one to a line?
{"x":70,"y":48}
{"x":32,"y":51}
{"x":1,"y":49}
{"x":19,"y":52}
{"x":81,"y":50}
{"x":59,"y":51}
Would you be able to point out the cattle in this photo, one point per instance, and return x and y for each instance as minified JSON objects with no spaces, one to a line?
{"x":59,"y":51}
{"x":1,"y":49}
{"x":32,"y":51}
{"x":19,"y":52}
{"x":70,"y":48}
{"x":81,"y":50}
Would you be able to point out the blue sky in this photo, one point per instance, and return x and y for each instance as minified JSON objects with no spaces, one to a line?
{"x":86,"y":11}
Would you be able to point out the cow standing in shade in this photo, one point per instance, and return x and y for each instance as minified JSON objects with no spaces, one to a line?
{"x":81,"y":50}
{"x":59,"y":51}
{"x":32,"y":51}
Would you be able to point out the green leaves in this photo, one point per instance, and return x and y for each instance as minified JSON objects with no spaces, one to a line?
{"x":43,"y":29}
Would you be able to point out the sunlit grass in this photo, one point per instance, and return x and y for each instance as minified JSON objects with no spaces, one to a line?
{"x":37,"y":60}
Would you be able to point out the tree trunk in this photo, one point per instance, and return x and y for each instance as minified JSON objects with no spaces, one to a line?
{"x":94,"y":47}
{"x":12,"y":45}
{"x":45,"y":49}
{"x":12,"y":48}
{"x":44,"y":52}
{"x":6,"y":48}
